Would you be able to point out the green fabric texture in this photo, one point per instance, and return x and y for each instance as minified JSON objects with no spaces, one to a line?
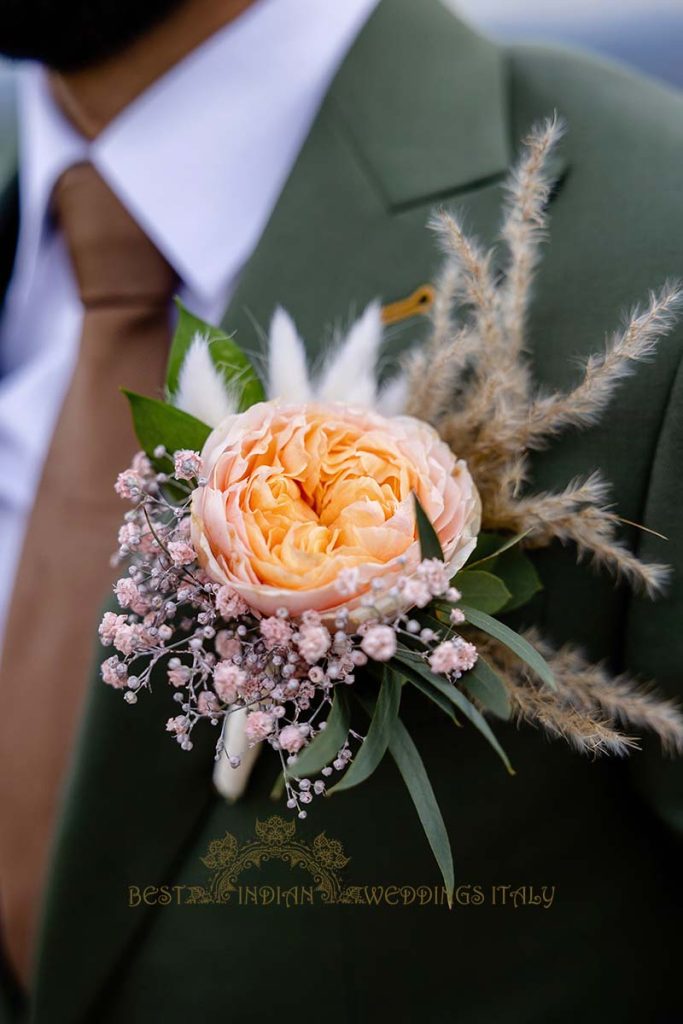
{"x":424,"y":111}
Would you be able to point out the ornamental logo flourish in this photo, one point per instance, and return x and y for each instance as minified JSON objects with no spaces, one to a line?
{"x":275,"y":839}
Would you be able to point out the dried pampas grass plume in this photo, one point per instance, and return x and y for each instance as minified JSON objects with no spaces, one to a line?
{"x":471,"y":380}
{"x":589,"y":709}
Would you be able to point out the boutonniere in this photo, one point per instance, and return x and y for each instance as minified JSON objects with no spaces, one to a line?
{"x":301,"y":547}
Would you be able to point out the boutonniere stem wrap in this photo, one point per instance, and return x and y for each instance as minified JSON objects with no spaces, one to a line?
{"x":298,"y":550}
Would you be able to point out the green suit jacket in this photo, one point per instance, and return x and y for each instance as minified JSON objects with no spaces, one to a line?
{"x":423,"y":111}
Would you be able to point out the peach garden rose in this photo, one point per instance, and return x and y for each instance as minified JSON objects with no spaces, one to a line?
{"x":297,"y":495}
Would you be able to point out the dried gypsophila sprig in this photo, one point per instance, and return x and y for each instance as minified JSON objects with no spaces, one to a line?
{"x":497,"y":417}
{"x":590,"y":708}
{"x":222,"y":658}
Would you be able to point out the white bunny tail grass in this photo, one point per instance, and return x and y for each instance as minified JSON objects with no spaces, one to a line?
{"x":287,"y":368}
{"x":393,"y":396}
{"x":350,"y":373}
{"x":201,"y":390}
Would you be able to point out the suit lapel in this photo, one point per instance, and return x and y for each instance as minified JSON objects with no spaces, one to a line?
{"x":343,"y":232}
{"x":347,"y":228}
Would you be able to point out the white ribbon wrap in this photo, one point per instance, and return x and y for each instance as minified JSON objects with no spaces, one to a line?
{"x":232,"y":782}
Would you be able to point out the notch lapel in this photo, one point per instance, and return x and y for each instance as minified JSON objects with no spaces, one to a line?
{"x":343,"y":232}
{"x":349,"y":226}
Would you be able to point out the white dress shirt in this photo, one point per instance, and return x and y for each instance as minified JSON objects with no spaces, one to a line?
{"x":199,"y":160}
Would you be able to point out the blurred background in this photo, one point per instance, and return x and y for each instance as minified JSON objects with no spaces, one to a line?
{"x":647,"y":34}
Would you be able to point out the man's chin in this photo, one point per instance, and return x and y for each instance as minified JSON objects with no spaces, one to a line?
{"x":68,"y":35}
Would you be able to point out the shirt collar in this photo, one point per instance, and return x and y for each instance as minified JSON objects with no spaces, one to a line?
{"x":200,"y":158}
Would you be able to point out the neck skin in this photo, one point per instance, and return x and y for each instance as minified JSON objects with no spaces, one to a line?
{"x":93,"y":97}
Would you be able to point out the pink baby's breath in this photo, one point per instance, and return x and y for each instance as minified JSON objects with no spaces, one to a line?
{"x":177,"y":725}
{"x":129,"y":596}
{"x":141,"y":465}
{"x":128,"y":638}
{"x":112,"y":673}
{"x":129,"y":535}
{"x":187,"y":464}
{"x":227,"y":679}
{"x":416,"y":593}
{"x":276,"y":632}
{"x":181,"y":552}
{"x":109,"y":626}
{"x":314,"y":642}
{"x":379,"y":643}
{"x":453,"y":656}
{"x":259,"y":724}
{"x":229,"y":603}
{"x":292,"y":739}
{"x":208,"y":704}
{"x":227,"y":646}
{"x":434,"y":574}
{"x":179,"y":675}
{"x":129,"y":485}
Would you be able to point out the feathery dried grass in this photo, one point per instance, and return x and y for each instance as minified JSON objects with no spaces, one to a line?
{"x":523,"y":228}
{"x":603,"y":373}
{"x":472,"y":382}
{"x":589,"y":709}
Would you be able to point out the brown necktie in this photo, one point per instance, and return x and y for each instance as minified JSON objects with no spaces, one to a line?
{"x":125,"y":286}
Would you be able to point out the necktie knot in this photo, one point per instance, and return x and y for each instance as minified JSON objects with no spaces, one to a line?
{"x":114,"y":261}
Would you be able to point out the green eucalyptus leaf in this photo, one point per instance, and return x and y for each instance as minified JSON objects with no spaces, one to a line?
{"x":517,"y":644}
{"x":484,"y":685}
{"x":416,"y":680}
{"x":324,"y":748}
{"x":490,"y":546}
{"x":157,"y":423}
{"x":482,"y":590}
{"x":414,"y":773}
{"x":518,"y":574}
{"x":486,"y":547}
{"x":456,"y":696}
{"x":237,"y":370}
{"x":375,"y":744}
{"x":430,"y":546}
